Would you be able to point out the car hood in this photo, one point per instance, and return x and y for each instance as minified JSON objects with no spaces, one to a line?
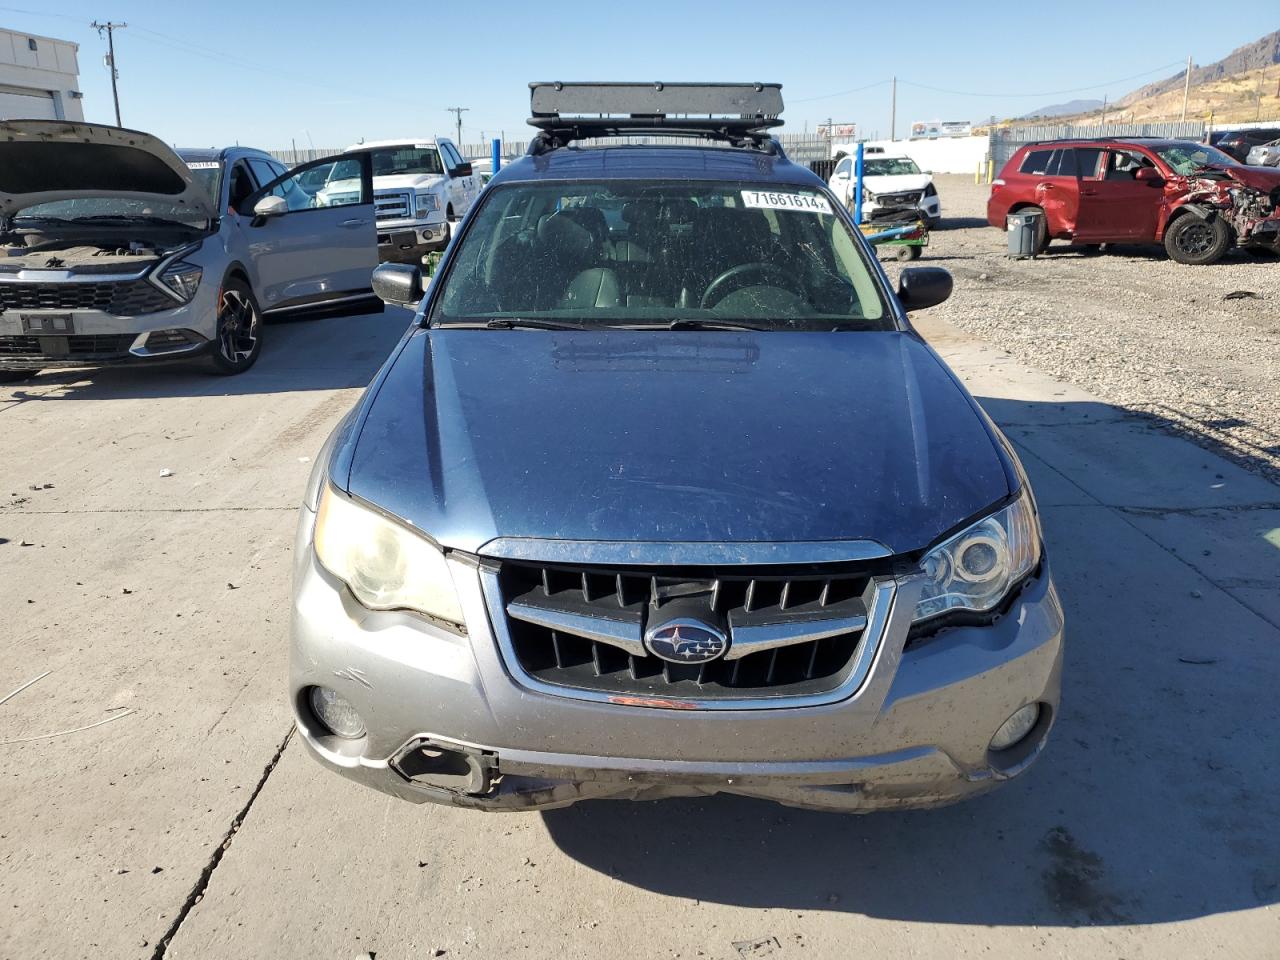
{"x":47,"y":160}
{"x":897,"y":182}
{"x":407,"y":181}
{"x":691,"y":436}
{"x":1260,"y":178}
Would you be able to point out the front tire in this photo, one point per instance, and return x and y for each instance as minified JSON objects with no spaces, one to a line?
{"x":238,"y":340}
{"x":1197,"y":242}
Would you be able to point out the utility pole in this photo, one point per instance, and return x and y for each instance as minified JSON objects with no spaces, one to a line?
{"x":111,"y":58}
{"x":458,"y":112}
{"x":1261,"y":74}
{"x":893,"y":108}
{"x":1104,"y":110}
{"x":1186,"y":89}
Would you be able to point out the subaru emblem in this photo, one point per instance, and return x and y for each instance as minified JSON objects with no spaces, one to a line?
{"x":686,"y":641}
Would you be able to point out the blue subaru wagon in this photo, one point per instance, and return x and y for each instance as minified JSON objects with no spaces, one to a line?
{"x":661,"y":495}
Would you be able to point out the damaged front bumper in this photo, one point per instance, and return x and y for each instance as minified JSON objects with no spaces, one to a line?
{"x":447,"y":722}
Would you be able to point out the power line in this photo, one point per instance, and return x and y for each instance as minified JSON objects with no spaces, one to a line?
{"x":111,"y":58}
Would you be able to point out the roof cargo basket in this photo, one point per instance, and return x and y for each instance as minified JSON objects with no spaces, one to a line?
{"x":737,"y":113}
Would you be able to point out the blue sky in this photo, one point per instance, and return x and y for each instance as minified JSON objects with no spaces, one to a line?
{"x":330,"y":73}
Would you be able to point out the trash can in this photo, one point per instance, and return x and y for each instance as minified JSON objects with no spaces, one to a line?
{"x":1023,"y":229}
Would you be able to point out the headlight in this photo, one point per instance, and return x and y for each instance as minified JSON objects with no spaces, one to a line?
{"x":975,"y":569}
{"x":930,"y":190}
{"x":427,"y":202}
{"x":386,"y":566}
{"x":181,"y":279}
{"x":868,"y":196}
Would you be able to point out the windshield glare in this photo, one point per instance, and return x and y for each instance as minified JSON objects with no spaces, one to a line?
{"x":646,"y":252}
{"x":393,"y":161}
{"x":1187,"y":158}
{"x":889,"y":166}
{"x":83,"y":208}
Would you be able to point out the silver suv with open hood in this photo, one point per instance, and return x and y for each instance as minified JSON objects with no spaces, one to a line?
{"x":113,"y":247}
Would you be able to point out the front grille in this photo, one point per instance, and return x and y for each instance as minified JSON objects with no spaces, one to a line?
{"x":84,"y":347}
{"x":582,"y":628}
{"x":123,"y":298}
{"x":393,"y":206}
{"x":907,"y":199}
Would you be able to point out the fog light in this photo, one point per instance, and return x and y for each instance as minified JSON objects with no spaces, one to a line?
{"x":1016,"y":727}
{"x":335,"y":713}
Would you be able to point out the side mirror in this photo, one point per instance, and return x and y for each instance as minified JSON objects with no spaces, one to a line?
{"x":397,"y":283}
{"x":921,"y":287}
{"x":462,"y":170}
{"x":270,"y":206}
{"x":1148,"y":175}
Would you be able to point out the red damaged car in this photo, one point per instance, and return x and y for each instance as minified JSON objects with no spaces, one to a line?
{"x":1192,"y":197}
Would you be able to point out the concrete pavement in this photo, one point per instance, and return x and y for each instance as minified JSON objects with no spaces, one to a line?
{"x":1147,"y":830}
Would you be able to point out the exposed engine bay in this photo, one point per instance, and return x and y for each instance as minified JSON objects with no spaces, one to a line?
{"x":32,"y":251}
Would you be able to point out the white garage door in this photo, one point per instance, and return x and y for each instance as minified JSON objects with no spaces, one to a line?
{"x":26,"y":105}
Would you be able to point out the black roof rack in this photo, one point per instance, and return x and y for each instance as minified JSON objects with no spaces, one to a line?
{"x":741,"y":114}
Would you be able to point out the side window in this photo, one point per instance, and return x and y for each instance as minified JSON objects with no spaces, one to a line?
{"x":264,"y":174}
{"x":241,"y":185}
{"x":449,"y":155}
{"x":1063,"y":163}
{"x":1087,"y":159}
{"x":1124,"y":165}
{"x":333,"y":183}
{"x":1036,"y":163}
{"x":844,"y":168}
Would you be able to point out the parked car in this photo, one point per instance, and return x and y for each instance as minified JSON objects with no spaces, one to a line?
{"x":662,"y":495}
{"x":421,"y":187}
{"x":1237,"y":143}
{"x":1194,"y":199}
{"x":115,"y":248}
{"x":889,"y":183}
{"x":1264,"y":155}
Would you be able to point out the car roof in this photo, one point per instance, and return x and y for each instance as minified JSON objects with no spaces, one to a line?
{"x":669,"y":162}
{"x":221,"y":154}
{"x":399,"y":142}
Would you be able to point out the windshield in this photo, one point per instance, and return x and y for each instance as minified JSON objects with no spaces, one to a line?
{"x":393,"y":161}
{"x":1187,"y":158}
{"x":889,"y":166}
{"x":208,"y":174}
{"x":644,"y":252}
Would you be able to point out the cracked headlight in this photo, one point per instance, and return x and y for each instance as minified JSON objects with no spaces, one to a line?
{"x":427,"y":203}
{"x":181,"y":279}
{"x":386,"y":566}
{"x":976,"y":568}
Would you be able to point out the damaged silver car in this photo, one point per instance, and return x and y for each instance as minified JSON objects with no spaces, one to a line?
{"x":115,"y":248}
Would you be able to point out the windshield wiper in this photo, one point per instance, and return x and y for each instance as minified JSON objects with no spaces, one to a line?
{"x":530,"y":323}
{"x":129,"y":218}
{"x":688,"y":323}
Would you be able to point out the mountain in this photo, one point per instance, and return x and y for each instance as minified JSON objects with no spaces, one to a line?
{"x":1258,"y":55}
{"x":1070,"y":108}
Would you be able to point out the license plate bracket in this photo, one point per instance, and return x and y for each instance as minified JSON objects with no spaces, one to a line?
{"x":58,"y":324}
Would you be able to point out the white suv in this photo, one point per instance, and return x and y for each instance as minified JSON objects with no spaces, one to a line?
{"x":891,"y":183}
{"x":115,"y":248}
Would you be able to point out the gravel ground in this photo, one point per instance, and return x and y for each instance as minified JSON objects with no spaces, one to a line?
{"x":1129,"y":325}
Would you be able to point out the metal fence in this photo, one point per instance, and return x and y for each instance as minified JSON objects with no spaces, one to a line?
{"x":801,"y":148}
{"x":1004,"y":143}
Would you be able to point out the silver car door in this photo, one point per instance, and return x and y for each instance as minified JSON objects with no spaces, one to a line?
{"x":317,"y":246}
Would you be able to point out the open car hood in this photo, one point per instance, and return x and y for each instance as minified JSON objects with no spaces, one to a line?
{"x":46,"y":160}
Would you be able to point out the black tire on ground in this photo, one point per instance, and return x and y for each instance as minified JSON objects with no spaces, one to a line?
{"x":239,"y":338}
{"x":1195,"y":241}
{"x":906,"y":252}
{"x":16,"y":376}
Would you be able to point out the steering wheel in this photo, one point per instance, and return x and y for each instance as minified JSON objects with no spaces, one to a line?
{"x":766,"y":271}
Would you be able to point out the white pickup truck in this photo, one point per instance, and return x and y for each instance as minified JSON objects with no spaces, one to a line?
{"x":420,"y":187}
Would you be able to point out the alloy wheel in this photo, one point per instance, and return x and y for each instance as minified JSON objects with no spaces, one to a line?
{"x":237,"y":326}
{"x":1195,"y":238}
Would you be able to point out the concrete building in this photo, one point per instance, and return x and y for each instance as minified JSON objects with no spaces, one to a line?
{"x":39,"y":78}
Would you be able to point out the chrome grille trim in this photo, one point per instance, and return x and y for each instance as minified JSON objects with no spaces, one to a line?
{"x":624,"y":634}
{"x":756,"y":638}
{"x":879,"y":615}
